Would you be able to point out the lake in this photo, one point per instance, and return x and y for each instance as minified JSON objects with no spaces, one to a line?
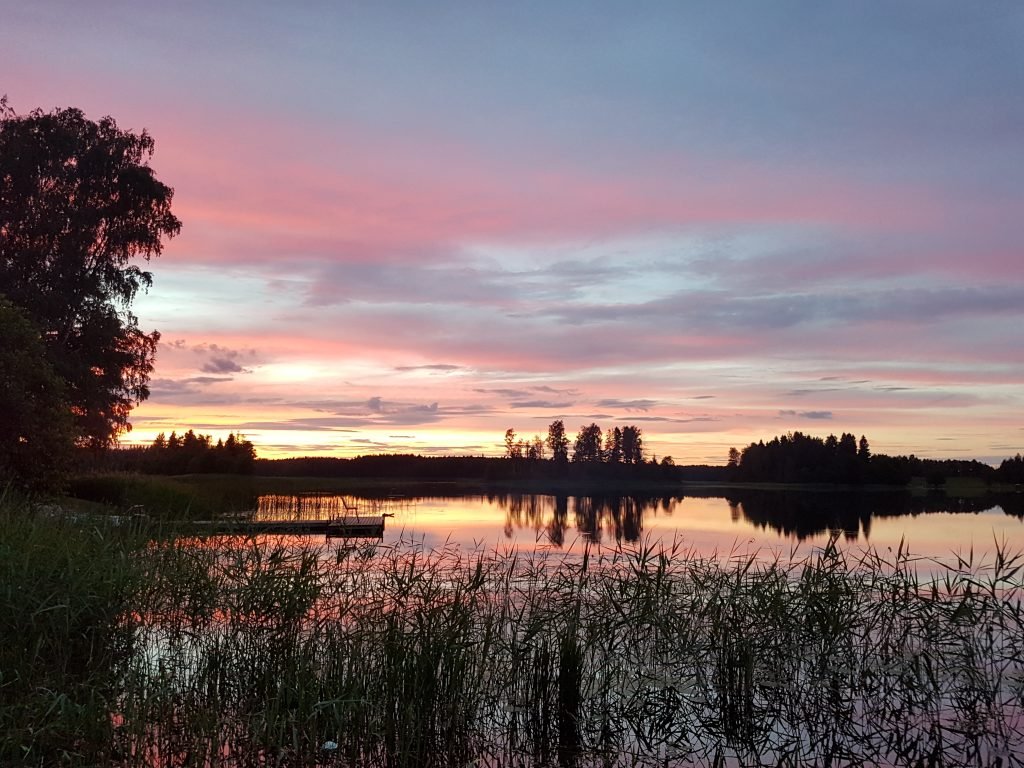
{"x":740,"y":522}
{"x":264,"y":646}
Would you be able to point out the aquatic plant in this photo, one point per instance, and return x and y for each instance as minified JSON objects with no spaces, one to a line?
{"x":283,"y":651}
{"x":65,"y":592}
{"x":401,"y":656}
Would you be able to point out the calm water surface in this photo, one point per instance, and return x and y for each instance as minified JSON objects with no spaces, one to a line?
{"x":746,"y":522}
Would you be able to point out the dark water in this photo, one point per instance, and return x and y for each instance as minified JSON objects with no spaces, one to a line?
{"x":741,"y":522}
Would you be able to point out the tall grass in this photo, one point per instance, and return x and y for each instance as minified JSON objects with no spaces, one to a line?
{"x":167,"y":498}
{"x":274,"y":651}
{"x":407,"y":658}
{"x":305,"y":506}
{"x":64,"y":593}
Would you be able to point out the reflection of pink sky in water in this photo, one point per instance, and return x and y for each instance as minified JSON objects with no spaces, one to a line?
{"x":704,"y":526}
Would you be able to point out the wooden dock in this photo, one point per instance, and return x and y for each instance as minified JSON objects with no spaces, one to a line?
{"x":366,"y":527}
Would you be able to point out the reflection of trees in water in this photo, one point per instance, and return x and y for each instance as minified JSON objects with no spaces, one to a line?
{"x":559,"y":522}
{"x":522,"y":511}
{"x":595,"y":517}
{"x":803,"y":514}
{"x":619,"y":516}
{"x":792,"y":514}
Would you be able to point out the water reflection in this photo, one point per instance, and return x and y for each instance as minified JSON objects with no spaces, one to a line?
{"x":595,"y":518}
{"x":258,"y":651}
{"x":708,"y":522}
{"x":802,"y":515}
{"x":793,"y":515}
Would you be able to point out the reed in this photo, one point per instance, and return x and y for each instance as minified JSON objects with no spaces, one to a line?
{"x":166,"y":498}
{"x":305,"y":506}
{"x":238,"y":652}
{"x":65,"y":591}
{"x":405,"y":657}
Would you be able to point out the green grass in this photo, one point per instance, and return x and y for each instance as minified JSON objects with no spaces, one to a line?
{"x":241,"y":652}
{"x":163,"y":498}
{"x":64,"y":592}
{"x":406,"y":657}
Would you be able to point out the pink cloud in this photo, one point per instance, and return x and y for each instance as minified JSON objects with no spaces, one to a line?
{"x":263,"y":186}
{"x":268,"y":190}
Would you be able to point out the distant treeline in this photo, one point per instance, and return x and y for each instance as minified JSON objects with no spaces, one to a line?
{"x":611,"y":458}
{"x":800,"y":458}
{"x":620,"y":445}
{"x":601,"y":458}
{"x":487,"y":470}
{"x":186,"y":454}
{"x":385,"y":465}
{"x":615,"y":457}
{"x":1012,"y":470}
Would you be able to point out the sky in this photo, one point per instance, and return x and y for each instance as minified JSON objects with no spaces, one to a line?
{"x":408,"y":227}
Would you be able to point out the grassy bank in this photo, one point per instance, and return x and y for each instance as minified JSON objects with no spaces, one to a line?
{"x":166,"y":498}
{"x":65,"y":590}
{"x":260,"y":652}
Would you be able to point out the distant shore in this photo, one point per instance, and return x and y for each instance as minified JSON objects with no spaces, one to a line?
{"x":200,"y":496}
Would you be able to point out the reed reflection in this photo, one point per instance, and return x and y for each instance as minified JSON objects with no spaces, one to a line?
{"x":319,"y":505}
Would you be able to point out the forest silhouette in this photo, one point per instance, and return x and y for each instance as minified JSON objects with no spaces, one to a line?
{"x":602,"y":459}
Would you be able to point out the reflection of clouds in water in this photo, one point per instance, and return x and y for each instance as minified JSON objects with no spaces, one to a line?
{"x":758,"y":523}
{"x":762,"y":524}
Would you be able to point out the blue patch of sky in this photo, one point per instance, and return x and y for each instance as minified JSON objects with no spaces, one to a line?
{"x":222,"y":298}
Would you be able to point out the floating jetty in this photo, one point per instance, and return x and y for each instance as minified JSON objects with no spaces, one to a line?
{"x":366,"y":527}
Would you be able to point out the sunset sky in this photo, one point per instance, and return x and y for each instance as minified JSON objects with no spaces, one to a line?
{"x":411,"y":226}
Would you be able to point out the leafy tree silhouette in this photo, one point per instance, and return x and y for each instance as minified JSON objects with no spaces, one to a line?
{"x":587,"y":448}
{"x":79,"y":205}
{"x":632,"y":445}
{"x":613,"y":446}
{"x":557,"y":442}
{"x":35,"y":427}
